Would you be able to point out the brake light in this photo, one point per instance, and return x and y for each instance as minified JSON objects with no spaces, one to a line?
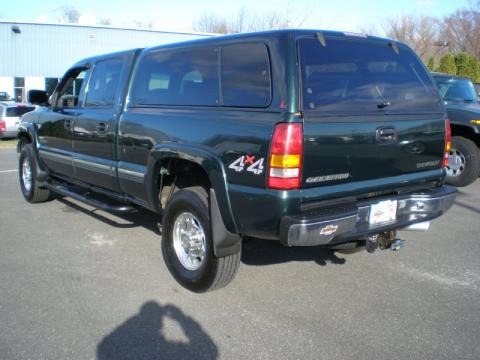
{"x":448,"y":142}
{"x":3,"y":126}
{"x":286,"y":151}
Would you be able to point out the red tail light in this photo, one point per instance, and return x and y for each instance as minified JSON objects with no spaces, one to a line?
{"x":3,"y":126}
{"x":286,"y":152}
{"x":448,"y":142}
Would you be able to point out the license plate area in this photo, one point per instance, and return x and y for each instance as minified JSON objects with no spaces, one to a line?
{"x":382,"y":212}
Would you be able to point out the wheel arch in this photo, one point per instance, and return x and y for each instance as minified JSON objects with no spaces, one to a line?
{"x":202,"y":159}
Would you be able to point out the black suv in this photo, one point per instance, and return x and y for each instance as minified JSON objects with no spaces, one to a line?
{"x":463,"y":109}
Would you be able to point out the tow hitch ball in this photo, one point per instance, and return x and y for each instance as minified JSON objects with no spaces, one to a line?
{"x":383,"y":241}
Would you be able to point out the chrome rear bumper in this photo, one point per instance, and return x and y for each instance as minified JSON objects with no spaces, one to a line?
{"x":351,"y":221}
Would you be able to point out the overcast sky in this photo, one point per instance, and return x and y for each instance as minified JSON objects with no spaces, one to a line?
{"x":348,"y":15}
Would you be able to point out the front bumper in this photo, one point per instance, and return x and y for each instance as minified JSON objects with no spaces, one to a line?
{"x":340,"y":223}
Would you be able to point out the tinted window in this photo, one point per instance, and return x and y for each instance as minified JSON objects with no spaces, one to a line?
{"x":452,"y":89}
{"x":356,"y":76}
{"x":177,"y":77}
{"x":103,"y":84}
{"x":18,"y":111}
{"x":245,"y":74}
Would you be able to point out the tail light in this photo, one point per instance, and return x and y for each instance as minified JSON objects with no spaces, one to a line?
{"x":3,"y":126}
{"x":286,"y":151}
{"x":448,"y":142}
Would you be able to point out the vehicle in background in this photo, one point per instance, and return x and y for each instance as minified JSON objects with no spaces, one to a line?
{"x":463,"y":109}
{"x":10,"y":114}
{"x":4,"y":96}
{"x":477,"y":89}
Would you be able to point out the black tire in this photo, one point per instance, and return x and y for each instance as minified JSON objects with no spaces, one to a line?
{"x":31,"y":192}
{"x":213,"y":272}
{"x":467,"y":162}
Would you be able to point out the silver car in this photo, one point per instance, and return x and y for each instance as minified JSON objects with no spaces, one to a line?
{"x":10,"y":113}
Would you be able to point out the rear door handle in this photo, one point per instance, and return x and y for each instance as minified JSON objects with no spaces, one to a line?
{"x":68,"y":124}
{"x":102,"y":127}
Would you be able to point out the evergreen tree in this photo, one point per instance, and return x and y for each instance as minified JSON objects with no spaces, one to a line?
{"x":447,"y":64}
{"x":462,"y":63}
{"x":431,"y":63}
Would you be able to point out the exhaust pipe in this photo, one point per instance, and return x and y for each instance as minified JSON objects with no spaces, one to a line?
{"x":423,"y":226}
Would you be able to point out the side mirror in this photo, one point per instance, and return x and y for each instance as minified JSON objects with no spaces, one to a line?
{"x":37,"y":97}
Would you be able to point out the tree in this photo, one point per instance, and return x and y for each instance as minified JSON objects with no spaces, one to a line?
{"x":244,"y":21}
{"x":431,"y":63}
{"x":447,"y":64}
{"x":211,"y":23}
{"x":462,"y":63}
{"x":462,"y":30}
{"x":68,"y":14}
{"x":420,"y":32}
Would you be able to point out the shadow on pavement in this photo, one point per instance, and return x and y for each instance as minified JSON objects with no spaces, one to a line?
{"x":264,"y":252}
{"x":141,"y":337}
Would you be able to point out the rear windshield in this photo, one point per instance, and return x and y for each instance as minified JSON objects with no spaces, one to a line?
{"x":350,"y":77}
{"x":18,"y":111}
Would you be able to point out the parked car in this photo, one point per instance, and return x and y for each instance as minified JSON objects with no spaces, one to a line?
{"x":463,"y":109}
{"x":4,"y":96}
{"x":10,"y":113}
{"x":477,"y":89}
{"x":309,"y":138}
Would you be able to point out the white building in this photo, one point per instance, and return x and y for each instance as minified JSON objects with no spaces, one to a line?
{"x":35,"y":55}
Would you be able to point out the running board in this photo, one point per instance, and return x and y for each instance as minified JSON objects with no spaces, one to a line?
{"x":85,"y":198}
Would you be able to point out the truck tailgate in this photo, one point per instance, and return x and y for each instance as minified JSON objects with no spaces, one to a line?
{"x":346,"y":149}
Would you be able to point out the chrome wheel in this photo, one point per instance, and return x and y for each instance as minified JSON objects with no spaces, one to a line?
{"x":189,"y":241}
{"x":26,"y":175}
{"x":456,"y":163}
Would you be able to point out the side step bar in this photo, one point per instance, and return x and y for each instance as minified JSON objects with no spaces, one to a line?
{"x":97,"y":203}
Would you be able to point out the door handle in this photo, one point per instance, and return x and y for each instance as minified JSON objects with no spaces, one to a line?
{"x":386,"y":135}
{"x":102,"y":127}
{"x":68,"y":124}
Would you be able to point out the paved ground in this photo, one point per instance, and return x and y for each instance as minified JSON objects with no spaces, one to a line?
{"x":82,"y":284}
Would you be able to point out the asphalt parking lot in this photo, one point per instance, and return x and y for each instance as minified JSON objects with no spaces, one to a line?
{"x":77,"y":283}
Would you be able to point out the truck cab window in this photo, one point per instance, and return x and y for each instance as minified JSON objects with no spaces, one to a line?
{"x":72,"y":88}
{"x":102,"y":88}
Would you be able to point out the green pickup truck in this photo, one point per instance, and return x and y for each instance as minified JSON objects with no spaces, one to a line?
{"x":310,"y":138}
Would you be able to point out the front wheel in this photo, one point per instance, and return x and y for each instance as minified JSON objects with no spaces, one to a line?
{"x":463,"y":162}
{"x":27,"y":171}
{"x":187,"y":243}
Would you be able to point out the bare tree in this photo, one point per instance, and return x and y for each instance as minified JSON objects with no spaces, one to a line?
{"x":212,"y":23}
{"x":244,"y":21}
{"x":420,"y":32}
{"x":68,"y":14}
{"x":104,"y":21}
{"x":149,"y":24}
{"x":462,"y":30}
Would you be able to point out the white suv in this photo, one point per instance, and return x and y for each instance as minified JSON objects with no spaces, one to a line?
{"x":10,"y":113}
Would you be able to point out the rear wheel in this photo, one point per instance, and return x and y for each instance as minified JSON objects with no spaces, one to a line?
{"x":187,"y":243}
{"x":463,"y":162}
{"x":27,"y":171}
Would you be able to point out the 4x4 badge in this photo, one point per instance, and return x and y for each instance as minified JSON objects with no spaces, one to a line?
{"x":329,"y":230}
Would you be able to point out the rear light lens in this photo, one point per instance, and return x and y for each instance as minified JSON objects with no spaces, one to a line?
{"x":3,"y":126}
{"x":448,"y":142}
{"x":285,"y":163}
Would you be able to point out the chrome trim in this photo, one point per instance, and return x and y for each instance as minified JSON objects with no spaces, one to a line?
{"x":311,"y":234}
{"x":131,"y":175}
{"x":93,"y":166}
{"x":49,"y":155}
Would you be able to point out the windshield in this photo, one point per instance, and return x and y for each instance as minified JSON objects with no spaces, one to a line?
{"x":452,"y":89}
{"x":353,"y":76}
